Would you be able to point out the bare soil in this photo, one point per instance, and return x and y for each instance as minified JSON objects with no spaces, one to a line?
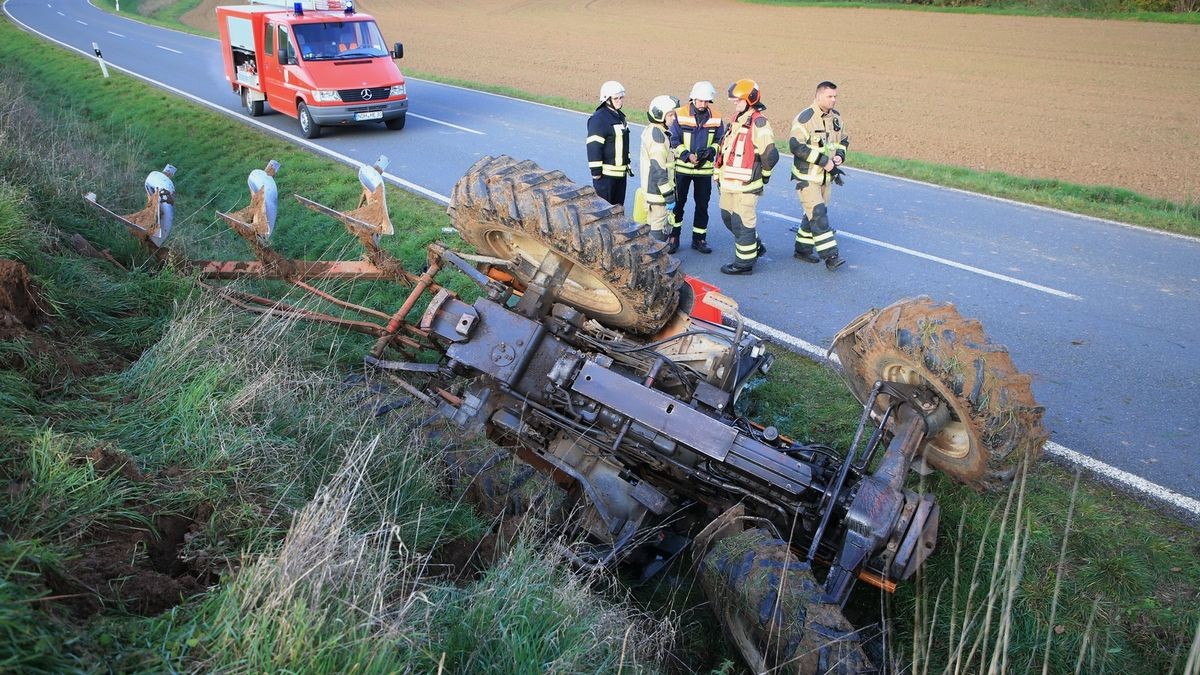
{"x":19,"y":305}
{"x":1082,"y":100}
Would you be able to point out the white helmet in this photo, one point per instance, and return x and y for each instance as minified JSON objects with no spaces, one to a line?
{"x":703,"y":91}
{"x":660,"y":106}
{"x":610,"y":89}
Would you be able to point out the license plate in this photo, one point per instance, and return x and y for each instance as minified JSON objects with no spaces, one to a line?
{"x":361,"y":117}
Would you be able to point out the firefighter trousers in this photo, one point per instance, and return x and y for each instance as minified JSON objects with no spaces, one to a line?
{"x":703,"y":190}
{"x":739,"y":214}
{"x":656,"y":217}
{"x":610,"y":189}
{"x":815,"y":233}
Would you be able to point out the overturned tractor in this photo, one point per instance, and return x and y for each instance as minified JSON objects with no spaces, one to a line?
{"x":583,"y":356}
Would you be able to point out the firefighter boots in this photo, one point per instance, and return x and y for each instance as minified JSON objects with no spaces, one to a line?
{"x":734,"y":268}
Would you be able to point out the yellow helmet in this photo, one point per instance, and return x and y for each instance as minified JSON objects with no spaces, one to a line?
{"x":746,"y":90}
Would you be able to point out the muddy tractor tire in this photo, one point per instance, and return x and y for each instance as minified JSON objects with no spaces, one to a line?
{"x":622,"y":276}
{"x":770,"y":606}
{"x":996,"y":424}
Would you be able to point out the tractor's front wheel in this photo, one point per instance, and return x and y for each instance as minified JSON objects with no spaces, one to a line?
{"x":996,"y":424}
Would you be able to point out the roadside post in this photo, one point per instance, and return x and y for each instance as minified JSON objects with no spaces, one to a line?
{"x":100,"y":58}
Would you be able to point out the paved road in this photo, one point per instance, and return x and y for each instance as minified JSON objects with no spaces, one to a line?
{"x":1104,"y":315}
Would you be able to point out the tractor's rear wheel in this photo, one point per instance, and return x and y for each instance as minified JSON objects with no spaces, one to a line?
{"x":771,"y":606}
{"x":996,"y":423}
{"x":622,"y":276}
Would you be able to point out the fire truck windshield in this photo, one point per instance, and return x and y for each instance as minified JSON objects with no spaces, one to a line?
{"x":339,"y":40}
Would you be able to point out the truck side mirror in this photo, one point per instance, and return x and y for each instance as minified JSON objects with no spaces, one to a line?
{"x":398,"y":51}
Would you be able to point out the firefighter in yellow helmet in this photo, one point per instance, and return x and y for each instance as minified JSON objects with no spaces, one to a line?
{"x":818,"y":146}
{"x":608,"y":144}
{"x":658,"y":165}
{"x":743,"y":168}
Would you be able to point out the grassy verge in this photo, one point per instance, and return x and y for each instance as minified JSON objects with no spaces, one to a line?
{"x":165,"y":14}
{"x":294,"y":494}
{"x":1157,"y":11}
{"x":189,"y":488}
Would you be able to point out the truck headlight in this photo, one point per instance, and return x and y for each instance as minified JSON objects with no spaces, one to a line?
{"x":327,"y":95}
{"x":397,"y":90}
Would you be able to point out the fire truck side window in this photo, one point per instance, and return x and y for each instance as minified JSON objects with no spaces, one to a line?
{"x":286,"y":55}
{"x":269,"y":40}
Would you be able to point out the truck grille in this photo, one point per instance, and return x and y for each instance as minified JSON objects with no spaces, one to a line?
{"x":356,"y":95}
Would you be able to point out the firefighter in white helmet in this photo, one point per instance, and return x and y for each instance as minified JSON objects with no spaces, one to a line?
{"x":695,"y":137}
{"x":608,"y":144}
{"x":658,"y":166}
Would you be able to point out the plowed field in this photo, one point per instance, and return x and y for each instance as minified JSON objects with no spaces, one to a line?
{"x":1087,"y":101}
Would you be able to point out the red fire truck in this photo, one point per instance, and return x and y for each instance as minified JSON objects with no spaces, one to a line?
{"x":316,"y":60}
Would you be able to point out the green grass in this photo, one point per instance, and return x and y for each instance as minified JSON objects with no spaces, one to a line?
{"x":239,"y":424}
{"x":1157,"y":11}
{"x":165,"y":14}
{"x":243,"y":420}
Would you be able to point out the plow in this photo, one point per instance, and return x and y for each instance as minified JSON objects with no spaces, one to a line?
{"x":588,"y":355}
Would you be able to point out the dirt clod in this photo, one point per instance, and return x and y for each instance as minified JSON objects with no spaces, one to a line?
{"x":19,"y":299}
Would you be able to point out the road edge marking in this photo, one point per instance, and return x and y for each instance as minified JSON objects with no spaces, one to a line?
{"x":1181,"y":504}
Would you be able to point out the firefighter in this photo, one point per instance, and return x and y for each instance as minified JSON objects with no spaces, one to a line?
{"x":743,"y":167}
{"x":658,"y":168}
{"x":695,"y":137}
{"x":608,"y":144}
{"x":818,"y":146}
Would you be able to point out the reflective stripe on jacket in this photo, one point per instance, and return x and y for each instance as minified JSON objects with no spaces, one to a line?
{"x":816,"y":138}
{"x":747,"y":154}
{"x":608,"y":142}
{"x":658,"y":165}
{"x":697,"y":131}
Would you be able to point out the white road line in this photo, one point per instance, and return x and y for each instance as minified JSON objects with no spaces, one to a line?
{"x":1124,"y":478}
{"x":59,"y":13}
{"x":117,"y":34}
{"x":168,"y":49}
{"x":941,"y":261}
{"x":453,"y":126}
{"x":81,"y":23}
{"x":1138,"y":485}
{"x":795,"y":343}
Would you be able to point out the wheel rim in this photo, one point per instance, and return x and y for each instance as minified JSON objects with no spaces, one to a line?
{"x":954,"y":440}
{"x":581,"y":289}
{"x":305,"y":122}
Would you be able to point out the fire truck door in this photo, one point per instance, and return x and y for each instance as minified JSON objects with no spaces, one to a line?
{"x":280,"y":57}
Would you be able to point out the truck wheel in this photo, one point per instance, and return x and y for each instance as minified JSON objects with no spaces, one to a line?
{"x":996,"y":424}
{"x":622,"y":277}
{"x":397,"y":123}
{"x":253,"y":108}
{"x":308,"y":127}
{"x":769,"y":604}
